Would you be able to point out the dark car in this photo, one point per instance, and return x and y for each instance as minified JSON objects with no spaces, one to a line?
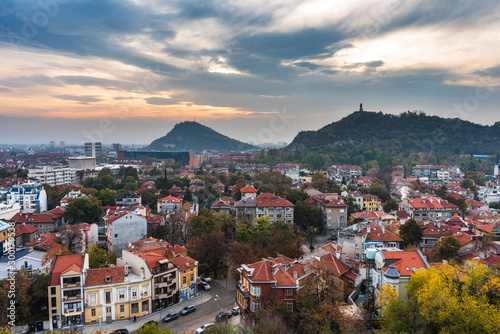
{"x":121,"y":331}
{"x":149,"y":323}
{"x":222,"y":316}
{"x":188,"y":309}
{"x":171,"y":316}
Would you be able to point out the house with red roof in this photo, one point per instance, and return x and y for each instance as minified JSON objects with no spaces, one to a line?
{"x":428,"y":207}
{"x":219,"y":187}
{"x":65,"y":290}
{"x":275,"y":207}
{"x":168,"y":204}
{"x":266,"y":283}
{"x":334,"y":211}
{"x":395,"y":268}
{"x":356,"y":239}
{"x":25,"y":234}
{"x":115,"y":293}
{"x":248,"y":192}
{"x":341,"y":277}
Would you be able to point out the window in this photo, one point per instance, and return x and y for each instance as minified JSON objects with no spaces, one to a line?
{"x":93,"y":312}
{"x":122,"y":308}
{"x":289,"y":306}
{"x":192,"y":277}
{"x":145,"y":306}
{"x":53,"y":290}
{"x":116,"y":235}
{"x":93,"y":299}
{"x":134,"y":292}
{"x":357,"y":246}
{"x":392,"y":244}
{"x":135,"y":308}
{"x":255,"y":306}
{"x":145,"y":290}
{"x":108,"y":297}
{"x":53,"y":302}
{"x":184,"y":280}
{"x":256,"y":290}
{"x":121,"y":294}
{"x":288,"y":292}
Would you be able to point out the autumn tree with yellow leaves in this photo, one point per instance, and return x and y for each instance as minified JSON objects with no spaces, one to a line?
{"x":448,"y":299}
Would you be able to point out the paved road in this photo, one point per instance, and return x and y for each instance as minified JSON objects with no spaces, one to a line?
{"x":206,"y":312}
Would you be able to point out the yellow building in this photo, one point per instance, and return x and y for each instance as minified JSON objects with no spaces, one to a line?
{"x":65,"y":290}
{"x":114,"y":294}
{"x":371,"y":203}
{"x":188,"y":275}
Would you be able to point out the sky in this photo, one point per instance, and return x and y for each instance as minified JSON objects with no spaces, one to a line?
{"x":259,"y":71}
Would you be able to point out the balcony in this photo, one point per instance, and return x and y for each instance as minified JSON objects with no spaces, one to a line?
{"x":72,"y":310}
{"x":243,"y":291}
{"x":71,"y":285}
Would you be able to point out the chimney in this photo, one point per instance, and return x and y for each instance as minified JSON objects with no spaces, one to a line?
{"x":368,"y":229}
{"x":343,"y":257}
{"x":383,"y":229}
{"x":295,"y":274}
{"x":143,"y":275}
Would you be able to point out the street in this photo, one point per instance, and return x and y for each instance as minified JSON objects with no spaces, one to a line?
{"x":206,"y":312}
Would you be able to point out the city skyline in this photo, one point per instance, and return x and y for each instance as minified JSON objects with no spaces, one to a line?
{"x":128,"y":71}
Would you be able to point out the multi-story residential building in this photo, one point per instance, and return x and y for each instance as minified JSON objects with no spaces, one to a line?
{"x":5,"y":233}
{"x":128,"y":198}
{"x":155,"y":255}
{"x":246,"y":209}
{"x":169,"y":204}
{"x":355,"y":240}
{"x":420,"y":171}
{"x":334,"y":211}
{"x":342,"y":278}
{"x":350,"y":171}
{"x":65,"y":291}
{"x":25,"y":234}
{"x":93,"y":149}
{"x":82,"y":163}
{"x":124,"y":228}
{"x":221,"y":205}
{"x":53,"y":175}
{"x":263,"y":284}
{"x":275,"y":207}
{"x":371,"y":203}
{"x":46,"y":222}
{"x":188,"y":276}
{"x":115,"y":293}
{"x":395,"y":268}
{"x":248,"y":192}
{"x":30,"y":196}
{"x":428,"y":207}
{"x":290,"y":170}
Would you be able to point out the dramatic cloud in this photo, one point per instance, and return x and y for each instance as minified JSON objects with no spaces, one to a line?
{"x":235,"y":64}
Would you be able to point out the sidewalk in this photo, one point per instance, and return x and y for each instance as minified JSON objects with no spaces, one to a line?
{"x":132,"y":327}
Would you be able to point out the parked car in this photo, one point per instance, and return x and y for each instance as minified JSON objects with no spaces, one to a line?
{"x":148,"y":323}
{"x":203,"y":328}
{"x":188,"y":309}
{"x":121,"y":331}
{"x":235,"y":310}
{"x":205,"y":286}
{"x":206,"y":278}
{"x":171,"y":316}
{"x":222,"y":316}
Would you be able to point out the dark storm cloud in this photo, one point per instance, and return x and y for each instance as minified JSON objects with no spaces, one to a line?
{"x":493,"y":72}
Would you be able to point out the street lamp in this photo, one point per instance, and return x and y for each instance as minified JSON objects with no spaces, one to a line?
{"x":100,"y":317}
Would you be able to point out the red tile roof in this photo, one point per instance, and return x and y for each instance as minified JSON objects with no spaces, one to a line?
{"x":329,"y":200}
{"x":431,"y":202}
{"x":330,"y":264}
{"x":169,"y":199}
{"x":183,"y":262}
{"x":377,"y":234}
{"x":98,"y":276}
{"x":62,"y":264}
{"x":25,"y":229}
{"x":405,"y":262}
{"x":248,"y":189}
{"x":268,"y":199}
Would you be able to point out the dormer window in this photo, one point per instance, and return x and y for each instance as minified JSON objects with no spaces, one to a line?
{"x":108,"y":279}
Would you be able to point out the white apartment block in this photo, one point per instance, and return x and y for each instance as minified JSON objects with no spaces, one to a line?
{"x":30,"y":196}
{"x":53,"y":175}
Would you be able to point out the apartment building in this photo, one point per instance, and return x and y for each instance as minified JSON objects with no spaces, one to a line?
{"x":53,"y":175}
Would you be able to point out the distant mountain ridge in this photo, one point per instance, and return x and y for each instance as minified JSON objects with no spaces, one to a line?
{"x":405,"y":133}
{"x":191,"y":135}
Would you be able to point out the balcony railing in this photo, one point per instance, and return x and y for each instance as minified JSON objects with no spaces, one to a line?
{"x":243,"y":291}
{"x":72,"y":310}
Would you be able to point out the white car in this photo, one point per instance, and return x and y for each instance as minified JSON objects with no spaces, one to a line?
{"x":203,"y":328}
{"x":205,"y":286}
{"x":206,"y":278}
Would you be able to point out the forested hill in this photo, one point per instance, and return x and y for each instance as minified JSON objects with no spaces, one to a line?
{"x":197,"y":137}
{"x":409,"y":132}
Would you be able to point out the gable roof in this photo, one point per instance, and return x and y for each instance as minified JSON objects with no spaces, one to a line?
{"x":268,"y":199}
{"x":248,"y":189}
{"x":378,"y":233}
{"x":183,"y":262}
{"x":406,"y":263}
{"x":64,"y":263}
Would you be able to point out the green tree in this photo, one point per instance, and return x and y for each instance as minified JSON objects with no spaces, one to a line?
{"x":83,"y":210}
{"x":107,"y":197}
{"x":128,"y":171}
{"x":154,"y":329}
{"x":210,"y":248}
{"x":353,"y":207}
{"x":390,"y":205}
{"x":410,"y":232}
{"x":449,"y":248}
{"x":150,"y":197}
{"x":98,"y":257}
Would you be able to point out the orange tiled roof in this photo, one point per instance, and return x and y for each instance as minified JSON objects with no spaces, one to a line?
{"x":25,"y":229}
{"x":183,"y":262}
{"x":169,"y":199}
{"x":62,"y":263}
{"x":248,"y":189}
{"x":98,"y":276}
{"x":268,"y":199}
{"x":404,"y":262}
{"x":377,"y":234}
